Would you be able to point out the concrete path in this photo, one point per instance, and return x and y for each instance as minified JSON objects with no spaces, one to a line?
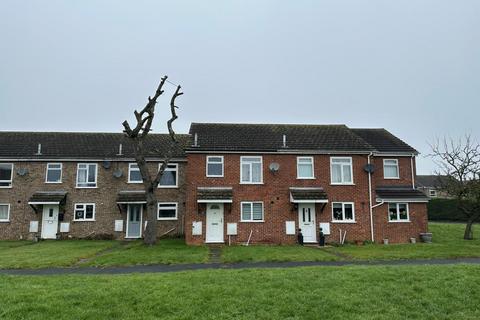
{"x":243,"y":265}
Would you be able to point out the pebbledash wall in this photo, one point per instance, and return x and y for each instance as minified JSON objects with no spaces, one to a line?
{"x":274,"y":192}
{"x":104,"y":196}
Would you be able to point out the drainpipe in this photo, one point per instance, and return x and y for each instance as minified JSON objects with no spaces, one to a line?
{"x":413,"y":171}
{"x":370,"y":198}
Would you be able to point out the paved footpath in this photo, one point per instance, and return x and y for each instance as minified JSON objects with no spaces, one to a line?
{"x":242,"y":265}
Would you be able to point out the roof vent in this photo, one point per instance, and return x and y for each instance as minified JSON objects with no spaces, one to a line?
{"x":195,"y":140}
{"x":39,"y":150}
{"x":284,"y":140}
{"x":120,"y":150}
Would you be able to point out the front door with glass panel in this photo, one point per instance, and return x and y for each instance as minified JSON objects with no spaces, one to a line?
{"x":50,"y":222}
{"x":214,"y":232}
{"x":134,"y":221}
{"x":306,"y":222}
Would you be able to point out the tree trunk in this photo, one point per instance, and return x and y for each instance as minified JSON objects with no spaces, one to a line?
{"x":150,"y":235}
{"x":469,"y":230}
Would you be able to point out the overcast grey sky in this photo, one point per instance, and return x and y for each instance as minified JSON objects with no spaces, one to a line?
{"x":412,"y":67}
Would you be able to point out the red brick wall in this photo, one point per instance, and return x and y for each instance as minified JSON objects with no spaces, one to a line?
{"x":104,"y":197}
{"x":274,"y":192}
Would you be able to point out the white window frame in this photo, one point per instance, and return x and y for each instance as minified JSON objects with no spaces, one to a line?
{"x":48,"y":168}
{"x":11,"y":177}
{"x":313,"y":167}
{"x":8,"y":212}
{"x":170,"y":169}
{"x":432,"y":193}
{"x":130,"y":170}
{"x":398,"y":212}
{"x":251,"y":171}
{"x":214,"y":175}
{"x":398,"y":169}
{"x":251,"y":217}
{"x":84,"y":211}
{"x":173,"y":205}
{"x":343,"y":212}
{"x":331,"y":170}
{"x":96,"y":175}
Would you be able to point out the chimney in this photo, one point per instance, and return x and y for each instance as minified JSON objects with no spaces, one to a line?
{"x":39,"y":150}
{"x":195,"y":140}
{"x":120,"y":150}
{"x":284,"y":141}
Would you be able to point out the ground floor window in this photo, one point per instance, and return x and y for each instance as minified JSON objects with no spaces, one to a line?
{"x":167,"y":211}
{"x":84,"y":212}
{"x":398,"y":212}
{"x":343,"y":212}
{"x":252,"y":211}
{"x":4,"y":212}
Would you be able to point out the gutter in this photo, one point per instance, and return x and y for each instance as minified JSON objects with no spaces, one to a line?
{"x":413,"y":171}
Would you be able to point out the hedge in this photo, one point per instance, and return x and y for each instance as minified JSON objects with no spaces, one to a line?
{"x":444,"y":210}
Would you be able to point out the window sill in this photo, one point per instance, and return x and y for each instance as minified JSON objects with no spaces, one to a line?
{"x":399,"y":221}
{"x":48,"y":182}
{"x":342,"y":184}
{"x":392,"y":178}
{"x":4,"y":221}
{"x":167,"y":219}
{"x":167,"y":187}
{"x":254,"y":221}
{"x":3,"y":187}
{"x":252,"y":183}
{"x":84,"y":220}
{"x":215,"y":176}
{"x":340,"y":221}
{"x":306,"y":178}
{"x":87,"y":187}
{"x":134,"y":182}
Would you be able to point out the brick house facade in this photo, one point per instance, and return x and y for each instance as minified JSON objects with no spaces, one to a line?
{"x":29,"y":197}
{"x":280,"y":216}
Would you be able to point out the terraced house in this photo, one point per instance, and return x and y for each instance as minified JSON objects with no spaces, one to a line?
{"x":232,"y":183}
{"x":84,"y":185}
{"x":266,"y":183}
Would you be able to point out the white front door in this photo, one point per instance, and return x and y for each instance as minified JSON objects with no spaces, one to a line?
{"x":214,"y":231}
{"x":50,"y":221}
{"x":306,"y":221}
{"x":134,"y":221}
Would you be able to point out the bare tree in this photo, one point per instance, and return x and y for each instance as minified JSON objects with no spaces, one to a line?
{"x":460,"y":162}
{"x":138,"y":136}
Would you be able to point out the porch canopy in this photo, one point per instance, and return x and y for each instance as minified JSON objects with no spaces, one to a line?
{"x":400,"y":194}
{"x":126,"y":197}
{"x":214,"y":195}
{"x":47,"y":197}
{"x":308,"y":195}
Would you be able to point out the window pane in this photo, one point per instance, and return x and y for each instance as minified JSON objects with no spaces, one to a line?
{"x":78,"y":214}
{"x":53,"y":175}
{"x":214,"y":169}
{"x":82,"y":176}
{"x":246,"y":211}
{"x":348,"y":211}
{"x":5,"y":171}
{"x":337,"y":211}
{"x":214,"y":159}
{"x":135,"y":176}
{"x":91,"y":173}
{"x":402,"y":208}
{"x":390,"y":171}
{"x":3,"y":212}
{"x":167,"y":213}
{"x":347,"y":174}
{"x":169,"y":178}
{"x":256,"y":172}
{"x":336,"y":173}
{"x":305,"y":170}
{"x":89,"y":212}
{"x":392,"y":211}
{"x":245,"y":172}
{"x":257,"y":211}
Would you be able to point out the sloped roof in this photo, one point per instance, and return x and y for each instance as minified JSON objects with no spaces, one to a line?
{"x":214,"y":193}
{"x":82,"y":145}
{"x":269,"y":137}
{"x":406,"y":193}
{"x":431,"y":181}
{"x":383,"y":141}
{"x":41,"y":197}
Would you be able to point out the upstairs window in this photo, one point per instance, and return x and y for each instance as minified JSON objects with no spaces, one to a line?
{"x":84,"y":212}
{"x":433,"y":193}
{"x":252,"y":211}
{"x":134,"y":175}
{"x":215,"y":166}
{"x":305,"y":168}
{"x":343,"y":212}
{"x":341,"y":170}
{"x":167,"y":211}
{"x":4,"y":212}
{"x":54,"y":173}
{"x":398,"y":212}
{"x":170,"y":176}
{"x":390,"y":169}
{"x":87,"y":175}
{"x":6,"y":175}
{"x":251,"y":170}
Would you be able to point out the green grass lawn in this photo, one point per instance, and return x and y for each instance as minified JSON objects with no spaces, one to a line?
{"x":25,"y":254}
{"x":260,"y":253}
{"x":166,"y":251}
{"x":447,"y":243}
{"x":408,"y":292}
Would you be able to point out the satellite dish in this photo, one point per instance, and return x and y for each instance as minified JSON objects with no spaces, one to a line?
{"x":22,"y":171}
{"x":369,"y":167}
{"x":118,"y":173}
{"x":274,"y":167}
{"x":106,"y":164}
